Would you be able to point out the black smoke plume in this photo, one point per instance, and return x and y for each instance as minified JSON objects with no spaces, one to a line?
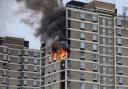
{"x":52,"y":25}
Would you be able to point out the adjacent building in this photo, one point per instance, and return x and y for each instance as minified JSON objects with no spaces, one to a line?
{"x":97,"y":55}
{"x":20,"y":67}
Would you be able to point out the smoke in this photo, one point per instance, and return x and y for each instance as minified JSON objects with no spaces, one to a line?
{"x":52,"y":23}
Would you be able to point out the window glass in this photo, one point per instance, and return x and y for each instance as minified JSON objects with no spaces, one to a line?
{"x":82,"y":25}
{"x":119,"y":32}
{"x":82,"y":85}
{"x":94,"y":77}
{"x":94,"y":86}
{"x":82,"y":54}
{"x":82,"y":35}
{"x":94,"y":28}
{"x":94,"y":37}
{"x":35,"y":68}
{"x":82,"y":65}
{"x":94,"y":65}
{"x":94,"y":57}
{"x":119,"y":41}
{"x":82,"y":15}
{"x":94,"y":47}
{"x":120,"y":80}
{"x":94,"y":18}
{"x":119,"y":50}
{"x":82,"y":75}
{"x":26,"y":67}
{"x":82,"y":45}
{"x":119,"y":70}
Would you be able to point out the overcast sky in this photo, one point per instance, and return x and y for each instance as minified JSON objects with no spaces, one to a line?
{"x":10,"y":24}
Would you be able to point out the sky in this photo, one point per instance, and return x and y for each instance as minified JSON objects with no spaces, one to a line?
{"x":11,"y":25}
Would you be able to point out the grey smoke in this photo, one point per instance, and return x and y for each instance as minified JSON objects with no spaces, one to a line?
{"x":52,"y":25}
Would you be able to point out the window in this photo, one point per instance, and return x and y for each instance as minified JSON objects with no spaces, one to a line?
{"x":94,"y":77}
{"x":35,"y":83}
{"x":82,"y":45}
{"x":118,"y":22}
{"x":49,"y":69}
{"x":119,"y":41}
{"x":94,"y":57}
{"x":119,"y":70}
{"x":82,"y":15}
{"x":4,"y":73}
{"x":25,"y":60}
{"x":104,"y":50}
{"x":35,"y":68}
{"x":103,"y":21}
{"x":20,"y":60}
{"x":35,"y":76}
{"x":104,"y":80}
{"x":104,"y":60}
{"x":82,"y":35}
{"x":104,"y":70}
{"x":25,"y":75}
{"x":55,"y":67}
{"x":4,"y":81}
{"x":82,"y":85}
{"x":35,"y":61}
{"x":5,"y":65}
{"x":119,"y":50}
{"x":25,"y":82}
{"x":53,"y":86}
{"x":5,"y":50}
{"x":94,"y":47}
{"x":4,"y":87}
{"x":5,"y":57}
{"x":54,"y":78}
{"x":94,"y":28}
{"x":104,"y":41}
{"x":82,"y":65}
{"x":119,"y":87}
{"x":94,"y":37}
{"x":25,"y":52}
{"x":19,"y":74}
{"x":94,"y":18}
{"x":94,"y":86}
{"x":25,"y":67}
{"x":94,"y":66}
{"x":19,"y":67}
{"x":119,"y":61}
{"x":35,"y":53}
{"x":19,"y":52}
{"x":120,"y":80}
{"x":9,"y":58}
{"x":69,"y":64}
{"x":119,"y":32}
{"x":49,"y":78}
{"x":82,"y":25}
{"x":103,"y":31}
{"x":19,"y":82}
{"x":82,"y":55}
{"x":82,"y":76}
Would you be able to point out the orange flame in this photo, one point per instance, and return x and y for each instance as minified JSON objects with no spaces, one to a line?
{"x":62,"y":54}
{"x":54,"y":55}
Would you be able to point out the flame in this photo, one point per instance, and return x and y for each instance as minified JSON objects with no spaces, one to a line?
{"x":62,"y":54}
{"x":54,"y":55}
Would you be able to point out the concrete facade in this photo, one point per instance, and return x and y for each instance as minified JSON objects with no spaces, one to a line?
{"x":20,"y":66}
{"x":98,"y":44}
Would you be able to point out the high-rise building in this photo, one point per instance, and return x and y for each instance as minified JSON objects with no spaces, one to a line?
{"x":20,"y":67}
{"x":98,"y":42}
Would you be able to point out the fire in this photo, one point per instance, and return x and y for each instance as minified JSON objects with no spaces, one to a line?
{"x":54,"y":55}
{"x":62,"y":54}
